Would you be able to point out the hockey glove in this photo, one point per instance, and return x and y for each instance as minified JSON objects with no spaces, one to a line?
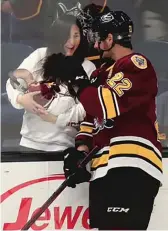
{"x":72,"y":157}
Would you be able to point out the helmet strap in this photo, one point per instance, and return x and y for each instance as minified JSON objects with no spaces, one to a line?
{"x":102,"y":51}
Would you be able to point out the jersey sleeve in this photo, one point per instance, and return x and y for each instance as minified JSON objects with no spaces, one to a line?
{"x":85,"y":134}
{"x":34,"y":61}
{"x":132,"y":84}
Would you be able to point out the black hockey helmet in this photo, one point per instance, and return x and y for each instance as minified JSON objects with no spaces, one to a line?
{"x":117,"y":23}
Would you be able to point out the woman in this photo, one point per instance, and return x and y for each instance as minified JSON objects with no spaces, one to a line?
{"x":51,"y":128}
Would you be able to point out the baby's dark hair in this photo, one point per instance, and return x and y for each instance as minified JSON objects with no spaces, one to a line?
{"x":61,"y":69}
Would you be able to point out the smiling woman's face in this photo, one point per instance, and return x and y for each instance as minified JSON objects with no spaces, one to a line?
{"x":73,"y":41}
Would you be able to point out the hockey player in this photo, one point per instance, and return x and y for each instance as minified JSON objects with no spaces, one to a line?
{"x":121,"y":120}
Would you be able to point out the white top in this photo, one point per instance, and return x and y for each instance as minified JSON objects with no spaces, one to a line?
{"x":37,"y":133}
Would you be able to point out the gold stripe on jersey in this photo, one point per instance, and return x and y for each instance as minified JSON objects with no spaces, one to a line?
{"x":108,"y":104}
{"x":87,"y":129}
{"x":138,"y":150}
{"x":92,"y":58}
{"x":128,"y":150}
{"x":99,"y":161}
{"x":110,"y":68}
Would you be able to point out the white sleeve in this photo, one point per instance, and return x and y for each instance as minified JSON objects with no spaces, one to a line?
{"x":89,"y":67}
{"x":61,"y":105}
{"x":31,"y":63}
{"x":34,"y":61}
{"x":75,"y":115}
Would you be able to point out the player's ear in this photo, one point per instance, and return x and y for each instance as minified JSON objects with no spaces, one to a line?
{"x":110,"y":39}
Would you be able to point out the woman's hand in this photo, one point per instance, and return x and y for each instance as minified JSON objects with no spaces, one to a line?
{"x":30,"y":105}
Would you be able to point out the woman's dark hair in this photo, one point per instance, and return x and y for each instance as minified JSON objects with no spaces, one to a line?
{"x":59,"y":34}
{"x":56,"y":39}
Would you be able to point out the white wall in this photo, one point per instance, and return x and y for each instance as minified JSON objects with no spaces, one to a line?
{"x":26,"y":186}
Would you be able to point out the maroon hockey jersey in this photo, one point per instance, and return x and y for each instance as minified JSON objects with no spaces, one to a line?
{"x":121,"y":117}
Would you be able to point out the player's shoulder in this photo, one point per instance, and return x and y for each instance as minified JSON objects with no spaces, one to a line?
{"x":136,"y":62}
{"x":139,"y":61}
